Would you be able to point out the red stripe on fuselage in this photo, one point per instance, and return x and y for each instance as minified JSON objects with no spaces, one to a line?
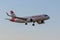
{"x":36,"y":16}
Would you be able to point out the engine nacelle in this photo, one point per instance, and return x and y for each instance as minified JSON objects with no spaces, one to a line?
{"x":40,"y":22}
{"x":30,"y":20}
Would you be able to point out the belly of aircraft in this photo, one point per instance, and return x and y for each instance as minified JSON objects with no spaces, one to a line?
{"x":20,"y":21}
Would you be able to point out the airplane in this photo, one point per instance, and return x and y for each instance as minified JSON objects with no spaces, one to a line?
{"x":37,"y":18}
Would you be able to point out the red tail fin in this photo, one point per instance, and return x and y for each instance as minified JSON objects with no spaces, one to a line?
{"x":12,"y":13}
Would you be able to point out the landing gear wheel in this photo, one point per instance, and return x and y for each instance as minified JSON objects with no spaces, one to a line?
{"x":25,"y":23}
{"x":33,"y":24}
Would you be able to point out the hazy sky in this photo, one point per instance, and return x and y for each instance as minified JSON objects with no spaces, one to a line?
{"x":18,"y":31}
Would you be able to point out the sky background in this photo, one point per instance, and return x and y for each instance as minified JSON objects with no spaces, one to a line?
{"x":18,"y":31}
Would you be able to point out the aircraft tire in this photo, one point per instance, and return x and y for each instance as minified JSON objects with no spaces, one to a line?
{"x":25,"y":23}
{"x":33,"y":24}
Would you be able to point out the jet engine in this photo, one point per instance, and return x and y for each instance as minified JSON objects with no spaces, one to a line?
{"x":40,"y":22}
{"x":30,"y":20}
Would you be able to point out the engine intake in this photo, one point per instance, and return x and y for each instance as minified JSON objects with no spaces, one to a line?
{"x":40,"y":22}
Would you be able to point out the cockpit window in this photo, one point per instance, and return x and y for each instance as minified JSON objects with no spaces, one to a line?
{"x":45,"y":15}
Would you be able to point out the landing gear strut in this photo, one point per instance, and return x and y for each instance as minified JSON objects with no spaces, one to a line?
{"x":25,"y":23}
{"x":33,"y":24}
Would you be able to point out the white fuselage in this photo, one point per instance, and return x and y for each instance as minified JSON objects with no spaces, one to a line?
{"x":38,"y":18}
{"x":34,"y":18}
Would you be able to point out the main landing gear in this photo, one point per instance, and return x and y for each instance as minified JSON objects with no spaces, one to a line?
{"x":32,"y":24}
{"x":25,"y":23}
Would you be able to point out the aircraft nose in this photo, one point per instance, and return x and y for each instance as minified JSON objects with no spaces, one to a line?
{"x":48,"y":17}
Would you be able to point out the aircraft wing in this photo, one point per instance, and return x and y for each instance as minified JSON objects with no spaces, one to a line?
{"x":16,"y":17}
{"x":21,"y":18}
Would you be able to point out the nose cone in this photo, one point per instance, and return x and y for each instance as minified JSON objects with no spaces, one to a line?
{"x":48,"y":17}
